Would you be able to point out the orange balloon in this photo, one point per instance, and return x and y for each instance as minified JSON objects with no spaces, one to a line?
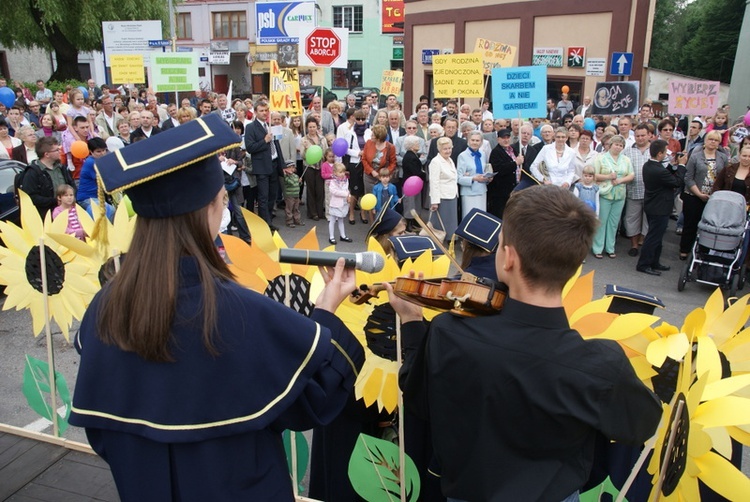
{"x":565,"y":89}
{"x":79,"y":149}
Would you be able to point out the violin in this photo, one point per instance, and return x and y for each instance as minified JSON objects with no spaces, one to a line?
{"x":469,"y":296}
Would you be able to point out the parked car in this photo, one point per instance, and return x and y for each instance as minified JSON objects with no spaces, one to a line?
{"x":8,"y":206}
{"x":361,"y":92}
{"x":308,"y":92}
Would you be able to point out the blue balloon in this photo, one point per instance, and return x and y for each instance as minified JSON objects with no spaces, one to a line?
{"x":589,"y":124}
{"x":7,"y":97}
{"x":84,"y":91}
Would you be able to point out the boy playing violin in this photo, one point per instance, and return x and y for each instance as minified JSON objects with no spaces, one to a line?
{"x":516,"y":399}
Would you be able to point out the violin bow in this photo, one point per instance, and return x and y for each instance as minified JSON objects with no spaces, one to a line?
{"x":436,"y":240}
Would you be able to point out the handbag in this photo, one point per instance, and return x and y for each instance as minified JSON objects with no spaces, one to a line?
{"x":232,"y":185}
{"x":438,"y":234}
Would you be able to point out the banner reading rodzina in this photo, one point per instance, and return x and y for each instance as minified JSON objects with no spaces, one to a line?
{"x":285,"y":95}
{"x":458,"y":76}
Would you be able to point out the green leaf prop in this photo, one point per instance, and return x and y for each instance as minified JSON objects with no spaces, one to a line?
{"x":595,"y":494}
{"x":303,"y":455}
{"x":36,"y":385}
{"x":374,"y":471}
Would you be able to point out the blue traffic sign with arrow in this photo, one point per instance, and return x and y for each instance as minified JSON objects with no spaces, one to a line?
{"x":621,"y":64}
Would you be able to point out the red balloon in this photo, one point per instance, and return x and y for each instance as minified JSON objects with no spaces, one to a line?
{"x":79,"y":149}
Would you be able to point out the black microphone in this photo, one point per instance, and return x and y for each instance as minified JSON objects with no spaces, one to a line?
{"x":367,"y":262}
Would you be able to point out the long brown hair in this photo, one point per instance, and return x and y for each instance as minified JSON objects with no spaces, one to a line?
{"x":139,"y":309}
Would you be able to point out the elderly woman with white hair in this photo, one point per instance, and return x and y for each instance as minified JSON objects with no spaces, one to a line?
{"x":472,"y":178}
{"x":443,"y":187}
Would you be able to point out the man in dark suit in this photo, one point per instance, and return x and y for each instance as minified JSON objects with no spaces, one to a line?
{"x":268,"y":162}
{"x":553,"y":113}
{"x":451,"y":131}
{"x":659,"y":181}
{"x":147,"y":128}
{"x":523,"y":149}
{"x":172,"y":120}
{"x":693,"y":137}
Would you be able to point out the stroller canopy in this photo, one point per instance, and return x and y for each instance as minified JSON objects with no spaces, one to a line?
{"x":725,"y":214}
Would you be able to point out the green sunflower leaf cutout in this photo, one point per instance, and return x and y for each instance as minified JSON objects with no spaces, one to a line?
{"x":374,"y":471}
{"x":303,"y":455}
{"x":36,"y":389}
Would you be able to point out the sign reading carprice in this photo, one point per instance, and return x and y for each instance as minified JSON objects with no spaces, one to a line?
{"x":520,"y":91}
{"x":458,"y":75}
{"x":282,"y":22}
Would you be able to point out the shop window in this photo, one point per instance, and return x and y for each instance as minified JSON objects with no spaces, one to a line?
{"x":346,"y":78}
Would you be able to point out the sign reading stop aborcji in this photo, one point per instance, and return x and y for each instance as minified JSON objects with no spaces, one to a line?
{"x":324,"y":47}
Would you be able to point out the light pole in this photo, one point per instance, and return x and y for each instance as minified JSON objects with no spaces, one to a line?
{"x":739,"y":92}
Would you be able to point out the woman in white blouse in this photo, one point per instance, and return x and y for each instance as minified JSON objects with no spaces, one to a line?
{"x":444,"y":187}
{"x":559,"y":161}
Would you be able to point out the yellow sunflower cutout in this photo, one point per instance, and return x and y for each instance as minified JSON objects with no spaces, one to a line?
{"x":590,"y":317}
{"x":71,"y":275}
{"x":693,"y":441}
{"x":377,"y":381}
{"x":119,"y":232}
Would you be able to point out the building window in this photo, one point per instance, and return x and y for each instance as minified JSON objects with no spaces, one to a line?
{"x":230,"y":24}
{"x":347,"y":78}
{"x":348,"y":16}
{"x":184,"y":26}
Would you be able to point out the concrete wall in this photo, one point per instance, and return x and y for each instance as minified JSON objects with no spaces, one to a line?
{"x":27,"y":65}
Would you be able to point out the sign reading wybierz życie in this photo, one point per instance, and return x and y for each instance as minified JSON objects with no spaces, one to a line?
{"x":616,"y":98}
{"x":281,"y":22}
{"x":519,"y":92}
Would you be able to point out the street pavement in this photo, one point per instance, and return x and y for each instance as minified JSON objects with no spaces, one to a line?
{"x":16,"y":337}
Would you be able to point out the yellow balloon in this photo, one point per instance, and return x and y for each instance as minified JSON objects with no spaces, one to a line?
{"x":367,"y":202}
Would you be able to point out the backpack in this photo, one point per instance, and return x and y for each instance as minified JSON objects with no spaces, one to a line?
{"x":18,"y":182}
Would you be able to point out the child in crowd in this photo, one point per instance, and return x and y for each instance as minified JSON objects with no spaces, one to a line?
{"x":384,"y":190}
{"x":291,"y":197}
{"x":338,"y":207}
{"x":66,"y":199}
{"x":326,"y":172}
{"x":586,"y":190}
{"x":77,"y":109}
{"x":720,"y":124}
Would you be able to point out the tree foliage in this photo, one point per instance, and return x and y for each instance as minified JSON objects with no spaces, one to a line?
{"x":68,"y":26}
{"x":696,"y":38}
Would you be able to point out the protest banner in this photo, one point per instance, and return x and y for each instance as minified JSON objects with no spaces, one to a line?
{"x":391,"y":83}
{"x":285,"y":95}
{"x":458,"y":75}
{"x":519,"y":92}
{"x":127,"y":69}
{"x":616,"y":98}
{"x":693,"y":97}
{"x":175,"y":71}
{"x":495,"y":54}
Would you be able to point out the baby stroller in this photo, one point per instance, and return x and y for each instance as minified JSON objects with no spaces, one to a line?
{"x":718,"y":254}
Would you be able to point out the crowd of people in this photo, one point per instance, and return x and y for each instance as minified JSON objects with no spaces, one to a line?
{"x":465,"y":157}
{"x":556,"y":174}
